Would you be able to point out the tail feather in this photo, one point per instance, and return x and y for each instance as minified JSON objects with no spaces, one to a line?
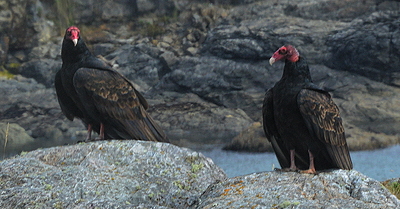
{"x":340,"y":156}
{"x":144,"y":129}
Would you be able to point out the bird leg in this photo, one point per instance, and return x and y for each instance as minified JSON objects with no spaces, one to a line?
{"x":292,"y":161}
{"x":101,"y":135}
{"x":311,"y":169}
{"x":89,"y":133}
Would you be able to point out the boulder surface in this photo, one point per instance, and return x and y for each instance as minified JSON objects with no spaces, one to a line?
{"x":107,"y":174}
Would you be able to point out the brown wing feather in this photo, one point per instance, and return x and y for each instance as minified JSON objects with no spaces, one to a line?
{"x":115,"y":100}
{"x":271,"y":132}
{"x":112,"y":95}
{"x":323,"y":120}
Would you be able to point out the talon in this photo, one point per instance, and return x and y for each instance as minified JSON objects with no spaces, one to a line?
{"x":309,"y":171}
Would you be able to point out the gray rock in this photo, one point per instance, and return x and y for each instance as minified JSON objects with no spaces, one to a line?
{"x":254,"y":31}
{"x":369,"y":46}
{"x":119,"y":10}
{"x":13,"y":139}
{"x":103,"y":49}
{"x":35,"y":108}
{"x":42,"y":70}
{"x":139,"y":174}
{"x":107,"y":174}
{"x":336,"y":189}
{"x":225,"y":83}
{"x":4,"y":45}
{"x":331,"y":9}
{"x":25,"y":23}
{"x":140,"y":63}
{"x":251,"y":139}
{"x":46,"y":50}
{"x":188,"y":118}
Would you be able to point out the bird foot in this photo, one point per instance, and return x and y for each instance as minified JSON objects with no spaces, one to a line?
{"x":286,"y":169}
{"x":93,"y":139}
{"x":309,"y":171}
{"x":89,"y":140}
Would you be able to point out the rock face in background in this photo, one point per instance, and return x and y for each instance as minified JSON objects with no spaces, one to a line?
{"x":203,"y":67}
{"x":33,"y":108}
{"x":370,"y":46}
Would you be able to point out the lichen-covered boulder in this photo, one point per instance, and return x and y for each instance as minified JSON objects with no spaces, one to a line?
{"x":107,"y":174}
{"x":336,"y":189}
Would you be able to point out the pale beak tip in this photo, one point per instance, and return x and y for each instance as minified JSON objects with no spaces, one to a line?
{"x":271,"y":60}
{"x":76,"y":42}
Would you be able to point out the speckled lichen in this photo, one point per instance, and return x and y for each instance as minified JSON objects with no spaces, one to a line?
{"x":286,"y":204}
{"x":197,"y":167}
{"x":181,"y":185}
{"x":104,"y":175}
{"x":58,"y":205}
{"x":48,"y":187}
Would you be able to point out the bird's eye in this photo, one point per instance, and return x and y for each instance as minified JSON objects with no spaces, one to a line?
{"x":283,"y":51}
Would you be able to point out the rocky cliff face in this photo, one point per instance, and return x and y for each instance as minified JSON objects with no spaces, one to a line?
{"x":202,"y":66}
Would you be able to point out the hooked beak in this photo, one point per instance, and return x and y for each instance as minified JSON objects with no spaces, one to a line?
{"x":271,"y":60}
{"x":75,"y":41}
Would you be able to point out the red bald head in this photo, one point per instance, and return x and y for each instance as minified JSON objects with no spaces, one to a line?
{"x":72,"y":33}
{"x":287,"y":52}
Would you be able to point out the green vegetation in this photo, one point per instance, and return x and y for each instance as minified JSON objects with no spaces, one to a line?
{"x":152,"y":28}
{"x":65,"y":16}
{"x":4,"y":73}
{"x":393,"y":187}
{"x":155,"y":26}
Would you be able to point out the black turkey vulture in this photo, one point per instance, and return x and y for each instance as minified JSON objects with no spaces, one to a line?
{"x":301,"y":120}
{"x":89,"y":89}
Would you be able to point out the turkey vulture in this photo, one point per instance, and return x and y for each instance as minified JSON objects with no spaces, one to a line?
{"x":301,"y":120}
{"x":89,"y":89}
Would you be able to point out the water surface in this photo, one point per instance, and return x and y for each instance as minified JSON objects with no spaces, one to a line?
{"x":379,"y":164}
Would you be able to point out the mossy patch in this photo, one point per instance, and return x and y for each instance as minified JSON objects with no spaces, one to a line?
{"x":65,"y":9}
{"x":5,"y":74}
{"x":393,"y":187}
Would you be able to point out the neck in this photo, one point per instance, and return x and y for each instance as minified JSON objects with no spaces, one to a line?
{"x":73,"y":54}
{"x":298,"y":70}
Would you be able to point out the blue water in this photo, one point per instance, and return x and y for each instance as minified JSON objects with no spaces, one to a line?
{"x":379,"y":164}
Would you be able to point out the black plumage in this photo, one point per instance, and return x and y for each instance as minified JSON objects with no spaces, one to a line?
{"x":89,"y":89}
{"x":301,"y":120}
